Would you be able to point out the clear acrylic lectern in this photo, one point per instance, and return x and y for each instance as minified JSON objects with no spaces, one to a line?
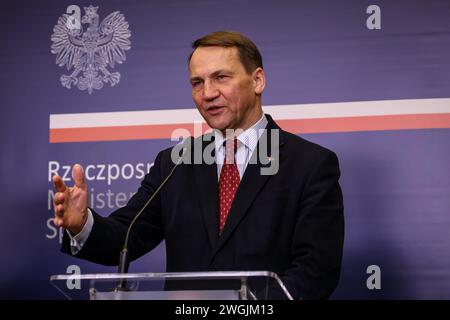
{"x":217,"y":285}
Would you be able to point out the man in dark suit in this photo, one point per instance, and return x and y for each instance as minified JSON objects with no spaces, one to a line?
{"x":279,"y":210}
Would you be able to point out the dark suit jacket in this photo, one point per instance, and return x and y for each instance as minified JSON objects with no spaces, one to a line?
{"x":291,"y":223}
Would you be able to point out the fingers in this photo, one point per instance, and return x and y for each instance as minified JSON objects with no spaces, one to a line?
{"x":58,"y":200}
{"x":59,"y":197}
{"x":58,"y":221}
{"x":64,"y":208}
{"x":60,"y":186}
{"x":78,"y":176}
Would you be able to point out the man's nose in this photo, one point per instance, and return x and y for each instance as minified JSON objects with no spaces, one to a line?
{"x":210,"y":91}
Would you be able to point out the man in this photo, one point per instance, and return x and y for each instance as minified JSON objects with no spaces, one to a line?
{"x":227,"y":215}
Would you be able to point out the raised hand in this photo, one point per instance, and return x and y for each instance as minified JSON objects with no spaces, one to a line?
{"x":71,"y":203}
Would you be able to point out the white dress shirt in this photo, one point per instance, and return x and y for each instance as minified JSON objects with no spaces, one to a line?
{"x":247,"y":142}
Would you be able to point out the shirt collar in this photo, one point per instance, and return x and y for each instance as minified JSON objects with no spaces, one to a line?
{"x":249,"y":137}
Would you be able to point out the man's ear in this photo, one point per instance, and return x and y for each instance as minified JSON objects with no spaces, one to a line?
{"x":259,"y":80}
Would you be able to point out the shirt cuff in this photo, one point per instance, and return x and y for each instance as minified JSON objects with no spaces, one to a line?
{"x":77,"y":241}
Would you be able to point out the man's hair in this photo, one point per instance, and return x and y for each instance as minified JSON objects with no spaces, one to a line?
{"x":248,"y":52}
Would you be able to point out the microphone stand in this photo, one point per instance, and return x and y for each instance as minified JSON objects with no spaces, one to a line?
{"x":123,"y":260}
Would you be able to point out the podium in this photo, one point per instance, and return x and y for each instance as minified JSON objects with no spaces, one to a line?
{"x":216,"y":285}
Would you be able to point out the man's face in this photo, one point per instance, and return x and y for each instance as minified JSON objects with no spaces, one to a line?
{"x":224,"y":93}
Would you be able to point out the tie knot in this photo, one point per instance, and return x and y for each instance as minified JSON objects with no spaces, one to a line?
{"x":231,"y":145}
{"x":230,"y":149}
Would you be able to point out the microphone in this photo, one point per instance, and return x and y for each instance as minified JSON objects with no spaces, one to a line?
{"x":123,"y":261}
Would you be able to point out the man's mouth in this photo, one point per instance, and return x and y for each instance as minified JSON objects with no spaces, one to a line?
{"x":214,"y":110}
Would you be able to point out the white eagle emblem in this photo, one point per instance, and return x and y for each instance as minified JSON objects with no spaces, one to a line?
{"x":91,"y":51}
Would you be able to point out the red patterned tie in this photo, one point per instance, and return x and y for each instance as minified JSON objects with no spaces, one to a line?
{"x":228,"y":182}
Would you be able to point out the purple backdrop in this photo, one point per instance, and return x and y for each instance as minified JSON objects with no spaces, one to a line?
{"x":396,"y":184}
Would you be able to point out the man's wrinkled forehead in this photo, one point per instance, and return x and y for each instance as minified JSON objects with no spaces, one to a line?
{"x":213,"y":58}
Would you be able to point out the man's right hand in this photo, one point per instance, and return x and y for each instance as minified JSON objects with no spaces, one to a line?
{"x":71,"y":202}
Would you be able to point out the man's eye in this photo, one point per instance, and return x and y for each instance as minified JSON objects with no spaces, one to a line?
{"x":221,"y":77}
{"x":196,"y":84}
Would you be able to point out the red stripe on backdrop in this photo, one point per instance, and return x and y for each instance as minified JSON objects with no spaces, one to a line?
{"x":367,"y":123}
{"x":319,"y":125}
{"x":120,"y":133}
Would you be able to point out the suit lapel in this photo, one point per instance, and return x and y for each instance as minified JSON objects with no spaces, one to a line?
{"x":252,"y":182}
{"x":207,"y":189}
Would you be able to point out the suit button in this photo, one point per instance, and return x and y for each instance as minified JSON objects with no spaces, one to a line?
{"x":213,"y":267}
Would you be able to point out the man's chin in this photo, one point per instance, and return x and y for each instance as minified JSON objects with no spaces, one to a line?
{"x":218,"y":125}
